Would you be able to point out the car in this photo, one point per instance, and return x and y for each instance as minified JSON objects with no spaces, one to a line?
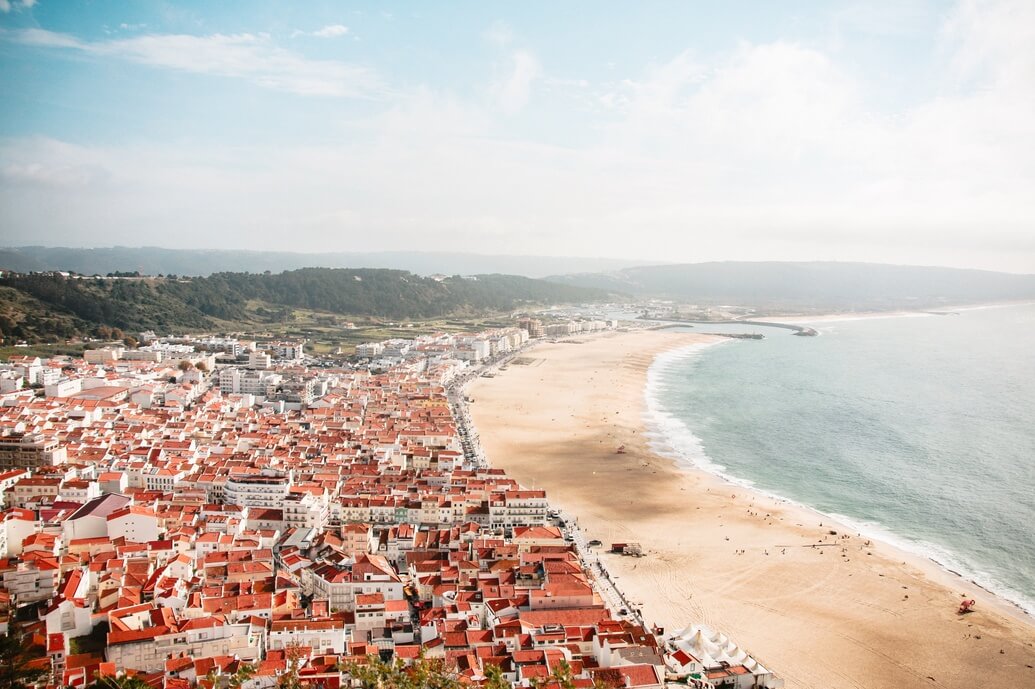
{"x":594,"y":543}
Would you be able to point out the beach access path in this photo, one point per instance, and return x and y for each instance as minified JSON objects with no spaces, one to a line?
{"x":823,"y":611}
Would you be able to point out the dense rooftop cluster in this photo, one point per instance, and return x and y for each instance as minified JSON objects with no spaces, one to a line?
{"x":196,"y":537}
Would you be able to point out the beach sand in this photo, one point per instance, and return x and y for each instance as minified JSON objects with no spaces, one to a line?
{"x":844,"y":615}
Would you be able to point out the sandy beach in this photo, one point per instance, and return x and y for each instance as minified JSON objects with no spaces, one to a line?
{"x":848,"y":613}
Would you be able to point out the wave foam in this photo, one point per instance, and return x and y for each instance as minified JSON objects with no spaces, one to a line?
{"x":669,"y":436}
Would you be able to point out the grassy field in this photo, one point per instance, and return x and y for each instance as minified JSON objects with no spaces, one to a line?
{"x":42,"y":350}
{"x":326,"y":333}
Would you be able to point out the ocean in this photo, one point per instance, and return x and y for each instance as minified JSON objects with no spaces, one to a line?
{"x":916,"y":430}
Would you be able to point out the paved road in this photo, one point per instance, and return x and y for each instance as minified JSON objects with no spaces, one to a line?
{"x":474,"y":456}
{"x":603,"y":583}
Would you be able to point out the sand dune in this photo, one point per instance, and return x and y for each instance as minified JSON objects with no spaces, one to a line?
{"x":842,"y":614}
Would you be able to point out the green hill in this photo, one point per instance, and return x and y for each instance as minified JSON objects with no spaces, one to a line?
{"x":40,"y":306}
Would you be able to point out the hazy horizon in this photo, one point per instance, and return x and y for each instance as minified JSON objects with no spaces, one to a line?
{"x":619,"y":263}
{"x":899,"y":133}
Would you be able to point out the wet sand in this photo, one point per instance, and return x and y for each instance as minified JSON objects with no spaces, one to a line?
{"x":840,"y":614}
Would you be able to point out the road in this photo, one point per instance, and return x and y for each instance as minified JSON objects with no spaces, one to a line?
{"x":602,"y":582}
{"x":475,"y":457}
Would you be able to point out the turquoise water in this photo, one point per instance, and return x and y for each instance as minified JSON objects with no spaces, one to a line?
{"x":917,"y":430}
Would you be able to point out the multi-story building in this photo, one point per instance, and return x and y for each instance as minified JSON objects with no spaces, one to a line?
{"x":148,"y":649}
{"x":288,"y":351}
{"x":32,"y":582}
{"x":238,"y":381}
{"x":323,"y":636}
{"x":369,"y":350}
{"x":533,"y":326}
{"x":33,"y":491}
{"x":259,"y":360}
{"x":30,"y":451}
{"x":265,"y":489}
{"x":305,"y":510}
{"x":63,"y":387}
{"x":519,"y":508}
{"x":340,"y":585}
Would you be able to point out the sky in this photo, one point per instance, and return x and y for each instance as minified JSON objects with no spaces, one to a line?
{"x":896,"y":132}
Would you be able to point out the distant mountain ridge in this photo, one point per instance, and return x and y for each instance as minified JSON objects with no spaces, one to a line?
{"x":811,"y":285}
{"x":202,"y":262}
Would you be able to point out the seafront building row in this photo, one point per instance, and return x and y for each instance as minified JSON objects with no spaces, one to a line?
{"x":183,"y":513}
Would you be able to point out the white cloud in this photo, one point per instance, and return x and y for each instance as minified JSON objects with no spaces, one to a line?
{"x":499,"y":34}
{"x":6,"y":6}
{"x":771,"y":151}
{"x":992,"y":41}
{"x":512,"y":93}
{"x":247,"y":56}
{"x":331,"y":31}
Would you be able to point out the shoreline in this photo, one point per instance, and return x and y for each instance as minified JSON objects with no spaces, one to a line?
{"x":850,"y":611}
{"x":872,"y":315}
{"x":661,"y":445}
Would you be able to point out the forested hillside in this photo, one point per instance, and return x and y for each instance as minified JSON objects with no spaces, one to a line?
{"x":81,"y":305}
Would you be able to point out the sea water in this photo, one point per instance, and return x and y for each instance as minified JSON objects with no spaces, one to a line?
{"x":918,"y":430}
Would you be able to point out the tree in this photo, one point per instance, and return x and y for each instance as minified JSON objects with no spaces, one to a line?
{"x":130,"y":341}
{"x":423,"y":673}
{"x":16,"y":671}
{"x":295,"y":654}
{"x":243,"y":673}
{"x":494,"y":678}
{"x":122,"y":681}
{"x":185,"y":365}
{"x":234,"y":680}
{"x":561,"y":676}
{"x":201,"y":366}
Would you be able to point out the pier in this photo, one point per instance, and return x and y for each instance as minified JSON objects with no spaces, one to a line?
{"x":800,"y":330}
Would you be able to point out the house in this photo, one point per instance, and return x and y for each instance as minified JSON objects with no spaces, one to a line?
{"x":91,"y":520}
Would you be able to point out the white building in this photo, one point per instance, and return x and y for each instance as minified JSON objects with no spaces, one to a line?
{"x":370,"y":350}
{"x":135,"y":523}
{"x":259,"y":360}
{"x":31,"y":582}
{"x":102,"y":355}
{"x":265,"y":489}
{"x":323,"y":636}
{"x":306,"y":511}
{"x":203,"y":638}
{"x":91,"y":520}
{"x":65,"y":387}
{"x":340,"y":585}
{"x":237,"y":381}
{"x":289,"y":351}
{"x":17,"y":525}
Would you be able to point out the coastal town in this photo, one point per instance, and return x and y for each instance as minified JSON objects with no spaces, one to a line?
{"x":217,"y":511}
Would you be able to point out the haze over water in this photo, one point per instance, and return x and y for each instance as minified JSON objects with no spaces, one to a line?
{"x":918,"y":430}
